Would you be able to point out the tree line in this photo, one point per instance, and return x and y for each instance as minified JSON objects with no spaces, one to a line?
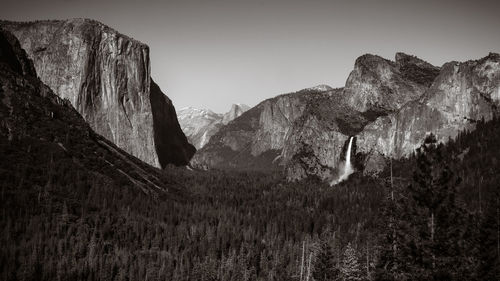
{"x":433,"y":216}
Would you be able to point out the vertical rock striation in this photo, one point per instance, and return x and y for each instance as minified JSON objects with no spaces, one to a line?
{"x":38,"y":129}
{"x":106,"y":77}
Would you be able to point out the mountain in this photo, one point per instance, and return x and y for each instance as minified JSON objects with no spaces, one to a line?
{"x":388,"y":106}
{"x":45,"y":139}
{"x":235,"y":112}
{"x":462,"y":94}
{"x":106,"y":77}
{"x":199,"y":125}
{"x":256,"y":138}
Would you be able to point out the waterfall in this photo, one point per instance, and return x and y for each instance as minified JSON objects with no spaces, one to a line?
{"x":348,"y":169}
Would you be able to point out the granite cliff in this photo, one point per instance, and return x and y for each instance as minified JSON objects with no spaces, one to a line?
{"x":388,"y":106}
{"x":199,"y":125}
{"x":460,"y":95}
{"x":40,"y":131}
{"x":256,"y":139}
{"x":106,"y":77}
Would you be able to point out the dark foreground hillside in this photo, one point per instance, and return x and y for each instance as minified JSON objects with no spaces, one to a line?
{"x":74,"y":207}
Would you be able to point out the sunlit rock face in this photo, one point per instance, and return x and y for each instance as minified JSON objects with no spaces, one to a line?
{"x":235,"y":112}
{"x":199,"y":125}
{"x":389,"y":106}
{"x":461,"y":94}
{"x":255,"y":139}
{"x":302,"y":132}
{"x":38,"y":128}
{"x":106,"y":77}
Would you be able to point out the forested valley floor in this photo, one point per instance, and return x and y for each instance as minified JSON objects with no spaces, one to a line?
{"x":434,"y":216}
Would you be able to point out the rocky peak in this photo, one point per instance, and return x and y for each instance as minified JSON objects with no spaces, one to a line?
{"x":460,"y":95}
{"x":321,"y":88}
{"x":379,"y":85}
{"x":106,"y":77}
{"x":199,"y":125}
{"x":388,"y":106}
{"x":191,"y":112}
{"x":235,"y":111}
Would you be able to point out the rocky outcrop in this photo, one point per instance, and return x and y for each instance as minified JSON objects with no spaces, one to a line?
{"x":40,"y":131}
{"x":380,"y":85}
{"x":389,"y":106}
{"x":106,"y":77}
{"x":462,"y":94}
{"x":235,"y":112}
{"x":256,"y":140}
{"x":199,"y":125}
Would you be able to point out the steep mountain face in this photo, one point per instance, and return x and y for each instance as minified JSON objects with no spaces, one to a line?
{"x":255,"y":140}
{"x":40,"y":132}
{"x":199,"y":125}
{"x":462,"y":94}
{"x":389,"y":106}
{"x":106,"y":77}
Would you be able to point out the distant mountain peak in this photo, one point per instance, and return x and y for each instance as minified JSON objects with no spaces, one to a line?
{"x":200,"y":124}
{"x":321,"y":88}
{"x":242,"y":105}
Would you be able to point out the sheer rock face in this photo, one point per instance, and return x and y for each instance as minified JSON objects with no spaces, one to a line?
{"x":271,"y":134}
{"x":388,"y":106}
{"x":37,"y":126}
{"x":199,"y":125}
{"x":462,"y":94}
{"x":255,"y":139}
{"x":106,"y":77}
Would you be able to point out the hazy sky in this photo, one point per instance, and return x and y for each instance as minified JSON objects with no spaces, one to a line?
{"x":210,"y":54}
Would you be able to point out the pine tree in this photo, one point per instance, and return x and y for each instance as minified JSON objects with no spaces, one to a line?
{"x":350,"y":269}
{"x":427,"y":235}
{"x":324,"y":267}
{"x":489,"y":244}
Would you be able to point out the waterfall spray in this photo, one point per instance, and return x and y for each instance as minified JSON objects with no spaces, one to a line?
{"x":348,"y":169}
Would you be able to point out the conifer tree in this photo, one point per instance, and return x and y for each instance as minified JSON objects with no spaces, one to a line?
{"x":489,"y":244}
{"x":324,"y":267}
{"x":350,"y":269}
{"x":427,"y":238}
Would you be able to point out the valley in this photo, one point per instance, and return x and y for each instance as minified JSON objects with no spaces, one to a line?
{"x":392,"y":177}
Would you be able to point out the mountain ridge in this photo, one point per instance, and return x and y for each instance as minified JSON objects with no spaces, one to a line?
{"x":308,"y":130}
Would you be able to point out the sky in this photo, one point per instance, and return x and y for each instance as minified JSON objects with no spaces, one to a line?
{"x":211,"y":54}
